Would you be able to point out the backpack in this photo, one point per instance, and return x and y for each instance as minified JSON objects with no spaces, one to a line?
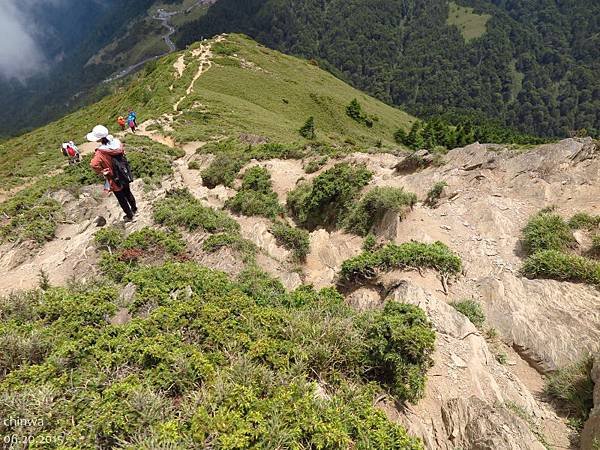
{"x":121,"y":170}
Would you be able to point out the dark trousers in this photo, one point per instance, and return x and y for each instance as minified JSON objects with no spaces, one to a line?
{"x":126,"y":200}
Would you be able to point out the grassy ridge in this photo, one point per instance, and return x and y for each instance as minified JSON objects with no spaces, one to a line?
{"x":274,"y":94}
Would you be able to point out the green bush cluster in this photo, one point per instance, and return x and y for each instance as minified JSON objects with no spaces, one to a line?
{"x":374,"y":204}
{"x":548,"y":238}
{"x":547,"y":231}
{"x":584,"y":221}
{"x":355,"y":112}
{"x":210,"y":362}
{"x":109,"y":238}
{"x":562,"y":266}
{"x":328,"y":199}
{"x":223,"y":170}
{"x":389,"y":344}
{"x":181,"y":209}
{"x":145,"y":246}
{"x":595,"y":249}
{"x":315,"y":164}
{"x":294,"y":239}
{"x":232,"y":240}
{"x":573,"y":388}
{"x":410,"y":255}
{"x":435,"y":193}
{"x":256,"y":196}
{"x":472,"y":310}
{"x":307,"y":130}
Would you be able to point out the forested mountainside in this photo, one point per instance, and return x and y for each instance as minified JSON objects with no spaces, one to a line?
{"x":68,"y":34}
{"x":531,"y":64}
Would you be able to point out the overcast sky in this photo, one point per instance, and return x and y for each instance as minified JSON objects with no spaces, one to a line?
{"x":20,"y":56}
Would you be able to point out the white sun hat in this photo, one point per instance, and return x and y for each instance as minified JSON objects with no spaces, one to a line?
{"x":99,"y":132}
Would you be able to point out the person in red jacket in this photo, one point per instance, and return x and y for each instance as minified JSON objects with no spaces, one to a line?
{"x":102,"y":164}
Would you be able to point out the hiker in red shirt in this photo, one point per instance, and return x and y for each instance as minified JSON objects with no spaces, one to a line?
{"x":109,"y":160}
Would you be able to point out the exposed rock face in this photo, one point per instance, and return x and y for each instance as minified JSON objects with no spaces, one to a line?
{"x":590,"y":437}
{"x":494,"y":193}
{"x":468,"y":390}
{"x":327,"y":253}
{"x":551,"y":323}
{"x":475,"y":424}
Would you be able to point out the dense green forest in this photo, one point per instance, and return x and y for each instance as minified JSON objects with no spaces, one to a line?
{"x":530,"y":64}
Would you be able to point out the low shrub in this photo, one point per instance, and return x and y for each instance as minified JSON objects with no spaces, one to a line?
{"x":224,"y":48}
{"x":109,"y":238}
{"x":193,"y":165}
{"x":374,"y":204}
{"x":256,"y":196}
{"x":573,"y":388}
{"x":251,"y":203}
{"x":315,"y":164}
{"x":294,"y":239}
{"x":223,"y":170}
{"x":369,"y":243}
{"x":181,"y":209}
{"x":35,"y":221}
{"x":328,"y":199}
{"x":398,"y":360}
{"x":232,"y":240}
{"x":546,"y":231}
{"x":472,"y":310}
{"x":584,"y":221}
{"x":435,"y":193}
{"x":147,"y":246}
{"x":410,"y":255}
{"x":595,"y":248}
{"x":150,"y":160}
{"x":560,"y":266}
{"x":307,"y":130}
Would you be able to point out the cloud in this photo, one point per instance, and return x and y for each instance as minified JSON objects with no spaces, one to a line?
{"x":20,"y":55}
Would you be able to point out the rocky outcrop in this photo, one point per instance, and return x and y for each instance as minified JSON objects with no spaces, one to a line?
{"x":475,"y":424}
{"x":550,"y":323}
{"x":590,"y":437}
{"x":469,"y":395}
{"x":327,"y":253}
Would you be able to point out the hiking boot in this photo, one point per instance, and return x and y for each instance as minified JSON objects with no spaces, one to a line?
{"x":134,"y":210}
{"x":127,"y":218}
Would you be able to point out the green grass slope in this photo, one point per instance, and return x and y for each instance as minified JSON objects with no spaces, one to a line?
{"x":256,"y":90}
{"x":249,"y":89}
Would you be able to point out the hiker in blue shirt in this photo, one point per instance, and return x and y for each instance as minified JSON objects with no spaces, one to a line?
{"x":132,"y":120}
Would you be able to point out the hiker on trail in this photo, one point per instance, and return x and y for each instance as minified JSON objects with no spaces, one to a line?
{"x":109,"y":160}
{"x":132,"y":120}
{"x":70,"y":150}
{"x":121,"y":122}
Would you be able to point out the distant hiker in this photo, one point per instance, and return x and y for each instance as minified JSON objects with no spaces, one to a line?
{"x":121,"y":122}
{"x":132,"y":120}
{"x":109,"y":160}
{"x":70,"y":150}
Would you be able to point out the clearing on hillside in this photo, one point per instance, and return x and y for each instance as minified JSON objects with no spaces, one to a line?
{"x":470,"y":24}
